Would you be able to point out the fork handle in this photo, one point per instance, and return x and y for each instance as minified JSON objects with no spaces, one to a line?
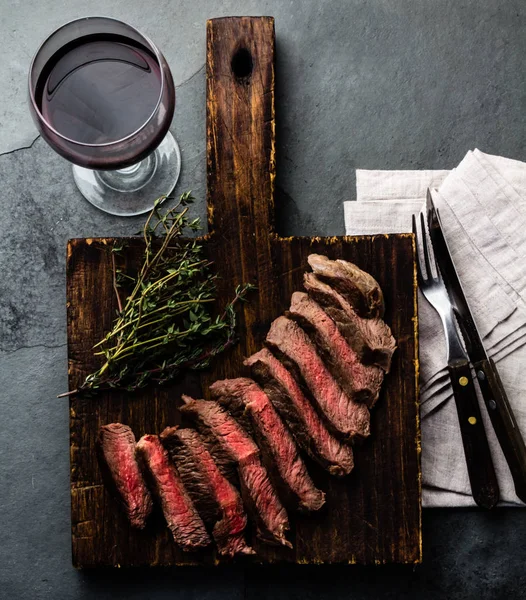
{"x":484,"y":485}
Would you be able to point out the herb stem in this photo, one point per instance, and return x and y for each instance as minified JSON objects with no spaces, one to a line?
{"x":165,"y":308}
{"x":120,"y":349}
{"x":115,"y":288}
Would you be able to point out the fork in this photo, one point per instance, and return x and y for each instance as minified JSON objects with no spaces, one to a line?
{"x":484,"y":485}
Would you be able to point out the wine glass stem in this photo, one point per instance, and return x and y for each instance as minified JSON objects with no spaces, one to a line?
{"x":132,"y":190}
{"x":129,"y":179}
{"x":130,"y":170}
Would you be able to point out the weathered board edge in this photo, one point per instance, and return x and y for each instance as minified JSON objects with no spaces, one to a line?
{"x":418,"y":439}
{"x":335,"y":239}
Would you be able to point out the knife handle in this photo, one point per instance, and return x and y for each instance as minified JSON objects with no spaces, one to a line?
{"x":504,"y":423}
{"x":484,"y":484}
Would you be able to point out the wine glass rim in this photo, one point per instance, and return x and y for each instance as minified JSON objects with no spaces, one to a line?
{"x":34,"y":103}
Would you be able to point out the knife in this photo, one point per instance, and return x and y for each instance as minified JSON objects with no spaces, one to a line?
{"x":493,"y":393}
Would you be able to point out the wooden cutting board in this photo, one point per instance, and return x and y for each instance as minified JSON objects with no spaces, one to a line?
{"x":371,"y":517}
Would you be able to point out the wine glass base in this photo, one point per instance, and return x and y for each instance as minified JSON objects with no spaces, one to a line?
{"x":132,"y":191}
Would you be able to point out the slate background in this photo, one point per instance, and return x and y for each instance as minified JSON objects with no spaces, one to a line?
{"x":371,"y":84}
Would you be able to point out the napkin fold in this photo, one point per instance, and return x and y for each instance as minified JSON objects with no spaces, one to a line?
{"x":482,"y":205}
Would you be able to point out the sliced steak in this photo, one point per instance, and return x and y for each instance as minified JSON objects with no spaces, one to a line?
{"x":344,"y":414}
{"x":116,"y":451}
{"x":216,"y":499}
{"x":371,"y":339}
{"x":361,"y":382}
{"x":359,"y":288}
{"x":258,"y":493}
{"x":181,"y":516}
{"x":244,"y":396}
{"x":308,"y":429}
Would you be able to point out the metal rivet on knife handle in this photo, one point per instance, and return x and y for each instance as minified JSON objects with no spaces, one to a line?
{"x":472,"y":420}
{"x":492,"y":404}
{"x":463,"y":381}
{"x":481,"y":375}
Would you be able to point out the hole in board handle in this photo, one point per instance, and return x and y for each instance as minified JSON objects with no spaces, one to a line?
{"x":242,"y":64}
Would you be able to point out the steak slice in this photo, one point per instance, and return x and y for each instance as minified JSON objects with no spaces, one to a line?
{"x":216,"y":499}
{"x":257,"y":490}
{"x":181,"y":516}
{"x":244,"y":396}
{"x":345,"y":415}
{"x":371,"y":339}
{"x":116,"y":452}
{"x":308,"y":429}
{"x":359,"y":288}
{"x":361,"y":382}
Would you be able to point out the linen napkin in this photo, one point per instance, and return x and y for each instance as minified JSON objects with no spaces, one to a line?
{"x":482,"y":205}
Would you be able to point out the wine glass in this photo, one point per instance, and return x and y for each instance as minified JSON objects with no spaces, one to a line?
{"x":103,"y":97}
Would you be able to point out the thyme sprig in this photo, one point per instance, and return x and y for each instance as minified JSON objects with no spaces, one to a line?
{"x":164,"y":322}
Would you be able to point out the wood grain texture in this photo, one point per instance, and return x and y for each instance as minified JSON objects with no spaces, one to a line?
{"x":372,"y":516}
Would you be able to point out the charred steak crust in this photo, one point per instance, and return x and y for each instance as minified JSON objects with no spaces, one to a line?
{"x":359,"y":381}
{"x":346,"y":416}
{"x":258,"y":493}
{"x":116,"y":453}
{"x":359,"y":288}
{"x":308,"y":429}
{"x":261,"y":500}
{"x":184,"y":522}
{"x":371,"y":339}
{"x":237,"y":409}
{"x":244,"y":397}
{"x":216,"y":499}
{"x":226,"y":464}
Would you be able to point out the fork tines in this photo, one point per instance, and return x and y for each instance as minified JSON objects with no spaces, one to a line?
{"x":423,"y":246}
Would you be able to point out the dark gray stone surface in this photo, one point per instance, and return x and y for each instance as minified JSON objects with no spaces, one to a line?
{"x":373,"y":84}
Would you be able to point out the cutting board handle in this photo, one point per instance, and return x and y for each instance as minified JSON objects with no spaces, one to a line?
{"x":240,"y":149}
{"x":240,"y":125}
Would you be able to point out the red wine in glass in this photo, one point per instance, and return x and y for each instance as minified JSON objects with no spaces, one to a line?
{"x":103,"y":97}
{"x":99,"y":89}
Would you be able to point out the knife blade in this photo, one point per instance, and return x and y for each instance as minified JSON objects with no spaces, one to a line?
{"x":493,"y":393}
